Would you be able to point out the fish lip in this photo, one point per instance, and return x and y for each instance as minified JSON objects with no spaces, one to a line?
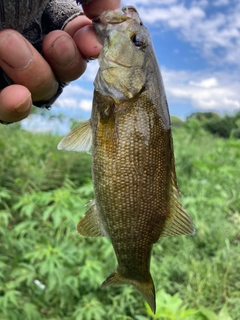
{"x":125,"y":12}
{"x":120,"y":15}
{"x":104,"y":17}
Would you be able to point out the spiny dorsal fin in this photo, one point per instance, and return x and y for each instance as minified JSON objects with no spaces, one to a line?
{"x":179,"y":222}
{"x":79,"y":139}
{"x":90,"y":225}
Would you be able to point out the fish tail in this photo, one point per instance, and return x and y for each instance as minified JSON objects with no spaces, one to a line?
{"x":145,"y":288}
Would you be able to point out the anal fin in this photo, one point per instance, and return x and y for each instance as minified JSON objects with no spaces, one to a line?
{"x":178,"y":222}
{"x":90,"y":225}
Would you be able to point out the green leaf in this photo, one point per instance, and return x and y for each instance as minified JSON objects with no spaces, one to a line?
{"x":209,"y":315}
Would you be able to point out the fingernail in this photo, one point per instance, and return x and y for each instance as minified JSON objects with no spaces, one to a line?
{"x":20,"y":56}
{"x":24,"y":105}
{"x":63,"y":51}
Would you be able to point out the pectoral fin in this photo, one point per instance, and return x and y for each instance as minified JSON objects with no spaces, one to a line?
{"x":90,"y":225}
{"x":79,"y":139}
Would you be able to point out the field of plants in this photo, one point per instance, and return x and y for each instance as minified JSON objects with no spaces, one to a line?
{"x":48,"y":271}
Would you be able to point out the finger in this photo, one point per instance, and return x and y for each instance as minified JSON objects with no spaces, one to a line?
{"x":83,"y":34}
{"x":25,"y":66}
{"x":87,"y":42}
{"x":95,"y":7}
{"x":62,"y":54}
{"x":15,"y":103}
{"x":77,"y":23}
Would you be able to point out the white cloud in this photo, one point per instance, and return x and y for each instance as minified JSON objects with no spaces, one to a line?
{"x":66,"y":103}
{"x":200,"y":3}
{"x":74,"y":103}
{"x":90,"y":73}
{"x":39,"y":124}
{"x":206,"y":83}
{"x":218,"y":91}
{"x":85,"y":105}
{"x":146,"y":2}
{"x":216,"y":35}
{"x":219,"y":3}
{"x":176,"y":16}
{"x":203,"y":91}
{"x":75,"y":97}
{"x":76,"y":89}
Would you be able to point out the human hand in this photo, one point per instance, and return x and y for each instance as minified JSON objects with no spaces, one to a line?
{"x":36,"y":78}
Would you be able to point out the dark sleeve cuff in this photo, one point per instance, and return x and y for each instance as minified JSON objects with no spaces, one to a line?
{"x":47,"y":104}
{"x":58,"y":13}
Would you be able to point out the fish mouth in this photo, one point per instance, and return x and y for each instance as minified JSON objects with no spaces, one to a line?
{"x":117,"y":16}
{"x":101,"y":23}
{"x":111,"y":17}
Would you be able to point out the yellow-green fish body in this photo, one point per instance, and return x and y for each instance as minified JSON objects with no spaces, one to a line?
{"x":135,"y":186}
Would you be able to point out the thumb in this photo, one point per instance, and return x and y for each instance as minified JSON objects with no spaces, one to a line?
{"x":15,"y":103}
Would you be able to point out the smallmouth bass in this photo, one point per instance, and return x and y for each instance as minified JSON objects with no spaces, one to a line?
{"x":129,"y":134}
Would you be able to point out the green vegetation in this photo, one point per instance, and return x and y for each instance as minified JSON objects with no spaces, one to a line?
{"x":224,"y":127}
{"x":48,"y":271}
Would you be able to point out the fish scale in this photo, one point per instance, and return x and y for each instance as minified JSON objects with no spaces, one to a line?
{"x":129,"y":134}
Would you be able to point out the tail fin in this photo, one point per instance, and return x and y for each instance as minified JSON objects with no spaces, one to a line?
{"x":146,"y":289}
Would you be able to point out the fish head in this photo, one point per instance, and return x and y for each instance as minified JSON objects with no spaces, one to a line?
{"x":122,"y":61}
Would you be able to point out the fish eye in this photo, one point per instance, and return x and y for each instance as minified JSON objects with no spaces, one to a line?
{"x":138,"y":40}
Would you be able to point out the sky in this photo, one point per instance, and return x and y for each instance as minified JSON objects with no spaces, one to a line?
{"x":197,"y":43}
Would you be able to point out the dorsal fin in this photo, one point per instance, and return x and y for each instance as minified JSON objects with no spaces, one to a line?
{"x":79,"y":139}
{"x":90,"y":225}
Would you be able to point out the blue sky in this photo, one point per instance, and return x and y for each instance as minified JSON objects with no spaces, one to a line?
{"x":197,"y":43}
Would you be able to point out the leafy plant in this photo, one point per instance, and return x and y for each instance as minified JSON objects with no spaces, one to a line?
{"x":48,"y":271}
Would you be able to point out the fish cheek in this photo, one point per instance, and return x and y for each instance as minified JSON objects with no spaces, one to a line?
{"x":123,"y":83}
{"x":124,"y":71}
{"x":136,"y":80}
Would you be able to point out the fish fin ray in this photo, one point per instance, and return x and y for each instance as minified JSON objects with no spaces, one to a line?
{"x":90,"y":225}
{"x":146,"y":289}
{"x":179,"y":222}
{"x":79,"y":139}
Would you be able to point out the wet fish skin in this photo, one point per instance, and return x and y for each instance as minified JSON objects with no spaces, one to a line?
{"x":135,"y":185}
